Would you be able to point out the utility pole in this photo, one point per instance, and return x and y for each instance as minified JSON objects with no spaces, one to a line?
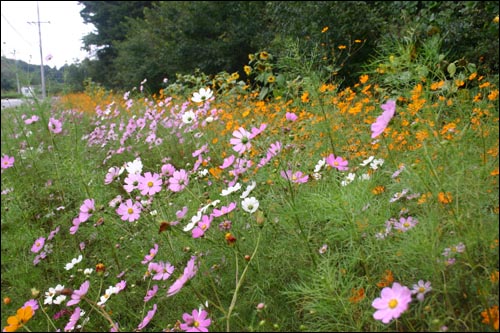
{"x":42,"y":72}
{"x":17,"y":74}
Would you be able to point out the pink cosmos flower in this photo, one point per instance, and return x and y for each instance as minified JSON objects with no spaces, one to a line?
{"x":86,"y":210}
{"x":129,"y":210}
{"x":53,"y":233}
{"x":148,"y":318}
{"x":241,"y":140}
{"x":150,"y":184}
{"x":77,"y":295}
{"x":38,"y":245}
{"x":120,"y":286}
{"x":195,"y":322}
{"x":223,"y":210}
{"x":55,"y":125}
{"x":33,"y":303}
{"x":151,"y":255}
{"x":189,"y":272}
{"x":167,"y":170}
{"x":72,"y":320}
{"x":163,"y":270}
{"x":392,"y":303}
{"x":228,"y":161}
{"x":291,"y":116}
{"x":203,"y":226}
{"x":178,"y":181}
{"x":76,"y":225}
{"x":32,"y":120}
{"x":151,"y":293}
{"x":7,"y":161}
{"x":337,"y":162}
{"x":181,"y":213}
{"x":113,"y":173}
{"x":405,"y":224}
{"x":421,"y":289}
{"x":383,"y":120}
{"x":297,"y":177}
{"x":131,"y":182}
{"x":256,"y":131}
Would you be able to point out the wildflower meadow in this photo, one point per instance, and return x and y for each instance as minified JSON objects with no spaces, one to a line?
{"x":227,"y":206}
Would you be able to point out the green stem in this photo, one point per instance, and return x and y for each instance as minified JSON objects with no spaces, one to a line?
{"x":240,"y":283}
{"x":50,"y":320}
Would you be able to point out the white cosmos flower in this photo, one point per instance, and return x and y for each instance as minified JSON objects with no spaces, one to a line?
{"x":59,"y":299}
{"x":249,"y":189}
{"x":376,"y":163}
{"x":367,"y":161}
{"x":73,"y":262}
{"x":231,"y":189}
{"x":321,"y":163}
{"x":134,"y":167}
{"x":250,"y":205}
{"x":202,"y":95}
{"x":188,"y":117}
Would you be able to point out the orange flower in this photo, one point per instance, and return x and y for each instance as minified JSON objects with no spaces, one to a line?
{"x":325,"y":29}
{"x":494,"y":276}
{"x":386,"y":280}
{"x":230,"y":238}
{"x":378,"y":189}
{"x":342,"y":47}
{"x":22,"y":316}
{"x":100,"y":268}
{"x":305,"y":97}
{"x":445,"y":198}
{"x":494,"y":172}
{"x":490,"y":316}
{"x":357,"y":295}
{"x":6,"y":300}
{"x":363,"y":79}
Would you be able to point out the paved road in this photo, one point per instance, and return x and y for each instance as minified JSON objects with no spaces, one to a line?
{"x":11,"y":102}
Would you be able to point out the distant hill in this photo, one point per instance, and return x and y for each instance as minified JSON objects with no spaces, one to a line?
{"x":27,"y":74}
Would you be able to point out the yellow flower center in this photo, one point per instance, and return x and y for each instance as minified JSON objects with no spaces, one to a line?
{"x":150,"y":184}
{"x":421,"y":290}
{"x":393,"y":303}
{"x":130,"y":211}
{"x":196,"y":323}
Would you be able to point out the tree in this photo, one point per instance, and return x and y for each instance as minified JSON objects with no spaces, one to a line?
{"x":109,"y":18}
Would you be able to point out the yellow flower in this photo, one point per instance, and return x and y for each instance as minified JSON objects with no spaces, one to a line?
{"x":247,"y":69}
{"x":264,"y":55}
{"x":342,"y":47}
{"x":325,"y":29}
{"x":271,"y":79}
{"x":251,"y":57}
{"x":358,"y":41}
{"x":235,"y":76}
{"x":495,"y":19}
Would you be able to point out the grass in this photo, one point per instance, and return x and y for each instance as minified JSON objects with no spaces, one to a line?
{"x":316,"y":254}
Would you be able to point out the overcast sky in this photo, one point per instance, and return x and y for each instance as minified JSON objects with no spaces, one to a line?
{"x":61,"y":38}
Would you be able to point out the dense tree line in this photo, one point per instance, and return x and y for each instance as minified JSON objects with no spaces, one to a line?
{"x":137,"y":40}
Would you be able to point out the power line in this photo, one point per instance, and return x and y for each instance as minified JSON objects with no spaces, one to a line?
{"x":15,"y":30}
